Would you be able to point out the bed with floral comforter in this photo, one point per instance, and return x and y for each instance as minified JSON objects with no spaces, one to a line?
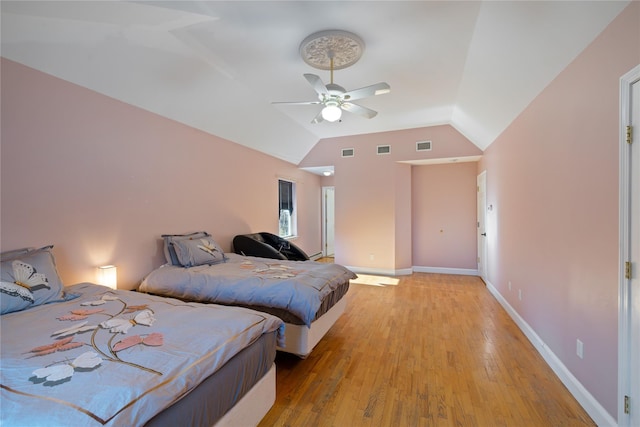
{"x":110,"y":357}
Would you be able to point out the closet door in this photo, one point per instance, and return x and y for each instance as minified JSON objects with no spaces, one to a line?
{"x":482,"y":230}
{"x":328,"y":220}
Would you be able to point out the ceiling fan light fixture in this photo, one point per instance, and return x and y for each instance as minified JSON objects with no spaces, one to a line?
{"x":333,"y":50}
{"x":331,"y":112}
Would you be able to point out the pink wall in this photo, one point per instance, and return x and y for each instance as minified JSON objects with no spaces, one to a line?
{"x":366,"y":215}
{"x":403,"y":233}
{"x":102,"y":180}
{"x":444,"y":212}
{"x":374,"y":197}
{"x":447,"y":142}
{"x":552,"y":178}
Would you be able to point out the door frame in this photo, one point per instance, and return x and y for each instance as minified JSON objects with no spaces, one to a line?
{"x":624,"y":297}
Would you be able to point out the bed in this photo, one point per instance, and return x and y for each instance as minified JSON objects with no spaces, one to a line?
{"x":88,"y":355}
{"x":309,"y":296}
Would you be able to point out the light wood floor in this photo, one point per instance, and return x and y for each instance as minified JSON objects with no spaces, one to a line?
{"x":434,"y":350}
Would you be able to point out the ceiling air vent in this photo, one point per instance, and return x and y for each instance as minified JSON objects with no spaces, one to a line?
{"x":384,"y":149}
{"x":423,"y":146}
{"x":348,"y":152}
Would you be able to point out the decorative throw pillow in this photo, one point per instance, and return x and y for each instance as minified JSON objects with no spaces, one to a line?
{"x":14,"y":253}
{"x":192,"y":252}
{"x":169,"y":239}
{"x":29,"y":279}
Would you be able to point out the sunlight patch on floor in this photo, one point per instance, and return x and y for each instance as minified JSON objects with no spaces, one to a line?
{"x":367,"y":279}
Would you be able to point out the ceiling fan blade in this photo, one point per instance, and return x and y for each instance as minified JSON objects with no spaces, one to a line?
{"x":298,"y":103}
{"x":376,"y":89}
{"x":317,"y":84}
{"x":359,"y":109}
{"x":318,"y":118}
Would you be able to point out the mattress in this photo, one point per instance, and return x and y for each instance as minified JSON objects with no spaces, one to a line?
{"x":326,"y":304}
{"x":216,"y":395}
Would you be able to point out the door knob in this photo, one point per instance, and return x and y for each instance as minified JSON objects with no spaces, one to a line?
{"x":484,"y":234}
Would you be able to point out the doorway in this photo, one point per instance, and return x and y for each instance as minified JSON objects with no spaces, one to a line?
{"x":481,"y":229}
{"x":328,"y":221}
{"x":629,"y":292}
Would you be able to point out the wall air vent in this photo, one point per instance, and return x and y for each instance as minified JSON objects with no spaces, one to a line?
{"x":348,"y":152}
{"x":384,"y":149}
{"x":423,"y":146}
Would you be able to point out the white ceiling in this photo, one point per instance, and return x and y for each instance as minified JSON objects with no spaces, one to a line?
{"x":218,"y":65}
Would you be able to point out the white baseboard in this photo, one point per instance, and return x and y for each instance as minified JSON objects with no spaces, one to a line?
{"x":441,"y":270}
{"x":380,"y":271}
{"x":582,"y":395}
{"x":416,"y":269}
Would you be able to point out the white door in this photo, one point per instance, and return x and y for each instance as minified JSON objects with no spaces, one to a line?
{"x":629,"y":347}
{"x":328,"y":221}
{"x":482,"y":230}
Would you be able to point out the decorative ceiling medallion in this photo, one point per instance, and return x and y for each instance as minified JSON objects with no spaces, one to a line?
{"x":345,"y":47}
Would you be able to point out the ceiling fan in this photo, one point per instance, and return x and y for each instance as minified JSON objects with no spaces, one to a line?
{"x":335,"y":98}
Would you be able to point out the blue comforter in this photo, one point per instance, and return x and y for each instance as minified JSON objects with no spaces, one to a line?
{"x":296,"y":286}
{"x":114,"y":358}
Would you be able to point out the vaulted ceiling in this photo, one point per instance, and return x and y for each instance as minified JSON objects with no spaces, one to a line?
{"x":218,"y":65}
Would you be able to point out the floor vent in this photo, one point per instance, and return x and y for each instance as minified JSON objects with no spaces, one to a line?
{"x":348,"y":152}
{"x":384,"y":149}
{"x":423,"y":146}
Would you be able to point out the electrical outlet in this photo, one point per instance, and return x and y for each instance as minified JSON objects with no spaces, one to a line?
{"x":509,"y":284}
{"x":579,"y":349}
{"x":371,"y":257}
{"x":520,"y":294}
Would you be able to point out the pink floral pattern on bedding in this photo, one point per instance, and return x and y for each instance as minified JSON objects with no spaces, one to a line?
{"x":60,"y":345}
{"x":118,"y":321}
{"x":110,"y":358}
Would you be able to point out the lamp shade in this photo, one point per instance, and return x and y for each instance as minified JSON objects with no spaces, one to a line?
{"x":108,"y":276}
{"x":331,"y":113}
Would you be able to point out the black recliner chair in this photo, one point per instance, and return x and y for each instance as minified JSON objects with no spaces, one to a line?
{"x":267,"y":245}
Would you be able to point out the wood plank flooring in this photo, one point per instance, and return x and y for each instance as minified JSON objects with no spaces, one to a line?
{"x":433,"y":350}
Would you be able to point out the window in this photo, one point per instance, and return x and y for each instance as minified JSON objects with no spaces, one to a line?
{"x":287,"y":208}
